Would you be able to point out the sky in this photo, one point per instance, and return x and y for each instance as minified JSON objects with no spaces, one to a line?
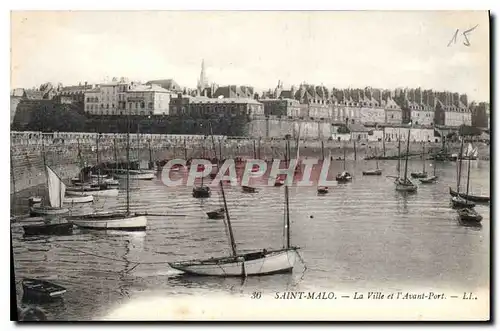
{"x":342,"y":49}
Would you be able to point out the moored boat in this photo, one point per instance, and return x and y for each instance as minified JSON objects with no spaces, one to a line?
{"x":201,"y":192}
{"x":428,"y":180}
{"x":459,"y":202}
{"x":248,"y":189}
{"x":343,"y":177}
{"x":322,"y":190}
{"x":79,"y":199}
{"x":469,"y":215}
{"x":470,"y":197}
{"x":34,"y":200}
{"x":377,"y":172}
{"x":134,"y":174}
{"x":250,"y":264}
{"x":49,"y":227}
{"x":418,"y":174}
{"x":111,"y":221}
{"x":216,"y":214}
{"x":41,"y":289}
{"x":405,"y":185}
{"x":95,"y":191}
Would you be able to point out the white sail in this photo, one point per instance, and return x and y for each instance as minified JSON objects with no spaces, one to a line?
{"x":469,"y":151}
{"x":57,"y":189}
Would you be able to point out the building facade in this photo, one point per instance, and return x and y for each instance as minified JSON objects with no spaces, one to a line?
{"x":202,"y":106}
{"x":148,"y":100}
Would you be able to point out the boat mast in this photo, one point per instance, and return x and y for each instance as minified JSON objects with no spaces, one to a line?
{"x":344,"y":157}
{"x":468,"y":176}
{"x":97,"y":159}
{"x":138,"y":148}
{"x":128,"y":162}
{"x":231,"y":236}
{"x":399,"y":155}
{"x":287,"y":203}
{"x":115,"y":152}
{"x":423,"y":156}
{"x":407,"y":152}
{"x":459,"y":175}
{"x":44,"y":162}
{"x":81,"y":163}
{"x":376,"y":156}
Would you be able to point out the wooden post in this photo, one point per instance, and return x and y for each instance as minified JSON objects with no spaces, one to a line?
{"x":383,"y":141}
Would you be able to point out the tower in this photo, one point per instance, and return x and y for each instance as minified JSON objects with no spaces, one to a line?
{"x":202,"y":82}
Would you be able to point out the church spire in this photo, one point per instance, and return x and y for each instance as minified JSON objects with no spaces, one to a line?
{"x":202,"y":82}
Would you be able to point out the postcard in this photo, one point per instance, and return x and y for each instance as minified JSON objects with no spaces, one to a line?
{"x":250,"y":165}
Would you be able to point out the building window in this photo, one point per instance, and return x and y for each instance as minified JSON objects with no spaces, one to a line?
{"x":107,"y":106}
{"x":150,"y":105}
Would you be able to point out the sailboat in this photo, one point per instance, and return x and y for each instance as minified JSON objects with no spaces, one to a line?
{"x":57,"y":190}
{"x":376,"y":172}
{"x":134,"y":174}
{"x":344,"y":176}
{"x":115,"y":221}
{"x":89,"y":189}
{"x":422,"y":174}
{"x":84,"y":198}
{"x":431,"y":179}
{"x":405,"y":184}
{"x":239,"y":264}
{"x":457,"y":201}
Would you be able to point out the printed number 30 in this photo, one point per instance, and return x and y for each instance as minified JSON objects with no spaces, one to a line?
{"x":256,"y":295}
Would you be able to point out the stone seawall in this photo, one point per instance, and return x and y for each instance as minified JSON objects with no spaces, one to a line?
{"x":61,"y":153}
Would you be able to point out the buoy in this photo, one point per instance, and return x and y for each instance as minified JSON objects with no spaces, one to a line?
{"x":311,"y":216}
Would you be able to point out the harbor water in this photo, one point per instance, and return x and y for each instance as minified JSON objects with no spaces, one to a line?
{"x":361,"y":235}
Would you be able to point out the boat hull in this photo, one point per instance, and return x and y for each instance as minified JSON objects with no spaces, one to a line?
{"x":271,"y":263}
{"x":48,"y":211}
{"x":372,"y":173}
{"x":41,"y":290}
{"x":429,"y":180}
{"x":469,"y":197}
{"x":107,"y":222}
{"x":418,"y":174}
{"x":48,"y":229}
{"x":469,"y":216}
{"x":459,"y":202}
{"x":79,"y":199}
{"x":140,"y":176}
{"x":113,"y":192}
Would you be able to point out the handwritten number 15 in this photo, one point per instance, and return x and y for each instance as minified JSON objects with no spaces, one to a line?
{"x":466,"y":42}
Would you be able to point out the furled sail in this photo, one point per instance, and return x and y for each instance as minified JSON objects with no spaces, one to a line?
{"x":57,"y":189}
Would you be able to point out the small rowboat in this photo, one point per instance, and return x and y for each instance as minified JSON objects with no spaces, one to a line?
{"x":216,"y":214}
{"x":201,"y":192}
{"x":469,"y":215}
{"x":249,"y":189}
{"x":40,"y":289}
{"x":377,"y":172}
{"x":34,"y":200}
{"x":343,"y":177}
{"x":322,"y":190}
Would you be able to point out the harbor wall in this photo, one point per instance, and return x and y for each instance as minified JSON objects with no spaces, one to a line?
{"x":61,"y":150}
